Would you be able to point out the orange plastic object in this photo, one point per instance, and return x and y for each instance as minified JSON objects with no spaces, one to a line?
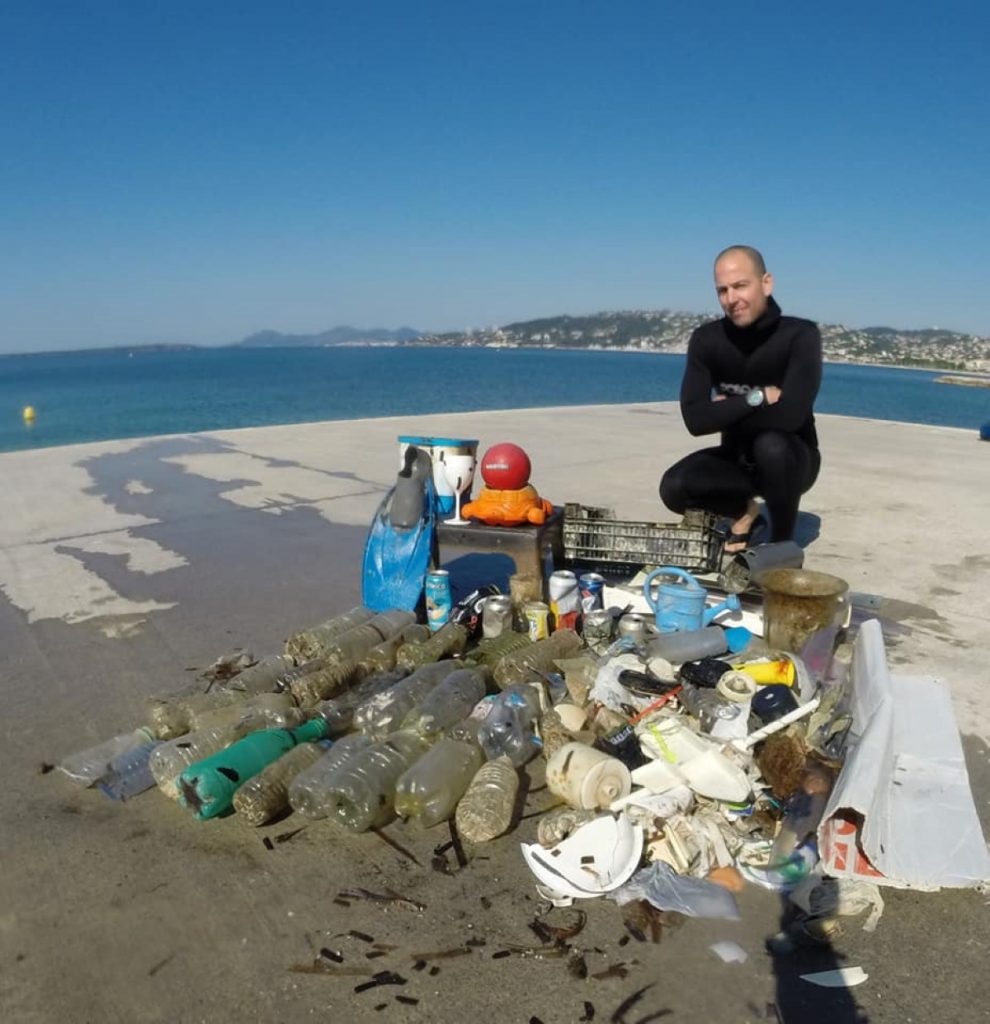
{"x":508,"y":508}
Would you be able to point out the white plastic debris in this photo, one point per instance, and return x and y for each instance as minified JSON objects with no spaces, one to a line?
{"x":844,"y":977}
{"x":596,"y":858}
{"x":729,"y":952}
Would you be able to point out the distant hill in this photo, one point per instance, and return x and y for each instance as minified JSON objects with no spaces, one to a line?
{"x":668,"y":330}
{"x":335,"y":336}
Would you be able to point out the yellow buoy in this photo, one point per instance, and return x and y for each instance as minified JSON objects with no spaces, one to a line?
{"x":28,"y":413}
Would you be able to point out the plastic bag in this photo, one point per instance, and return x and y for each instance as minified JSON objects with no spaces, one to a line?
{"x":666,"y":890}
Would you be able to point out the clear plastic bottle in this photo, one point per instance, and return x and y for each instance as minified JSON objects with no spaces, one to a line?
{"x":688,"y":645}
{"x":357,"y":642}
{"x":449,"y":640}
{"x":338,"y":712}
{"x":267,"y":794}
{"x":485,"y":811}
{"x":428,"y":792}
{"x":171,"y":716}
{"x":324,"y":682}
{"x":308,"y":792}
{"x":310,"y":643}
{"x":278,"y":710}
{"x":385,"y":712}
{"x":207,"y":787}
{"x":448,"y":702}
{"x":530,"y":662}
{"x":361,"y":792}
{"x":128,"y":773}
{"x":491,"y":650}
{"x":262,"y":677}
{"x":382,"y":657}
{"x":553,"y":734}
{"x":168,"y":761}
{"x":509,"y":727}
{"x":90,"y":765}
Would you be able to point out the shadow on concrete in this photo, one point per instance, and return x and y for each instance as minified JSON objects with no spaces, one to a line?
{"x":801,"y":1002}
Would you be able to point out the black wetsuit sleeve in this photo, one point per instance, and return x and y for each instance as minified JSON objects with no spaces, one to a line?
{"x":798,"y":387}
{"x":702,"y":415}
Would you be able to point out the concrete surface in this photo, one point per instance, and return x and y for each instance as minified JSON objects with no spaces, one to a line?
{"x":128,"y":567}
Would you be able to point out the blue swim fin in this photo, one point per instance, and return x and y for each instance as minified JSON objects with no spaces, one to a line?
{"x":396,"y":555}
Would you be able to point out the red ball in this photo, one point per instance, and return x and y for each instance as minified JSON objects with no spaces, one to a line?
{"x":505,"y":467}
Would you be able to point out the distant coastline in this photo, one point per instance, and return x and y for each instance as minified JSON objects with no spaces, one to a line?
{"x":660,"y":332}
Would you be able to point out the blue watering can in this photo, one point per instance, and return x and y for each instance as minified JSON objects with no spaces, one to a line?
{"x":680,"y":604}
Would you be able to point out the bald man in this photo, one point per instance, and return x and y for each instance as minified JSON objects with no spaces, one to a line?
{"x":751,"y":377}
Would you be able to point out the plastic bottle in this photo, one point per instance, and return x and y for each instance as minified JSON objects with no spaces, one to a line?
{"x":553,"y":734}
{"x":324,"y":682}
{"x":530,"y":662}
{"x":450,"y":639}
{"x":690,"y":645}
{"x":485,"y":811}
{"x":308,"y":793}
{"x":385,"y":712}
{"x":267,"y":794}
{"x":358,"y":641}
{"x":382,"y":657}
{"x":491,"y":650}
{"x":128,"y":773}
{"x":88,"y":766}
{"x":310,"y":643}
{"x":448,"y":702}
{"x":262,"y":677}
{"x":168,"y":761}
{"x":338,"y":712}
{"x":171,"y":716}
{"x":802,"y":812}
{"x":207,"y":787}
{"x":428,"y":792}
{"x":277,"y":710}
{"x":717,"y":716}
{"x":508,"y":728}
{"x":361,"y":792}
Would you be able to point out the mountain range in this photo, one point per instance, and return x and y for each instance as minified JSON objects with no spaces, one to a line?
{"x":335,"y":336}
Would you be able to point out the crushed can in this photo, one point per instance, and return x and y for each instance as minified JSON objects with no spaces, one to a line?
{"x":496,"y":615}
{"x":592,"y":588}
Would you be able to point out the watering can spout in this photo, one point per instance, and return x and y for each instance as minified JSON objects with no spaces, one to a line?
{"x":730,"y":604}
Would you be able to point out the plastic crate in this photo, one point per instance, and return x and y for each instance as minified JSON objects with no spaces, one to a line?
{"x":595,"y":540}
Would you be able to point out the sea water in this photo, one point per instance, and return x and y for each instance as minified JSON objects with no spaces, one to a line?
{"x":119,"y":393}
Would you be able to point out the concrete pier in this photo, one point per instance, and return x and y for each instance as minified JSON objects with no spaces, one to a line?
{"x":128,"y":567}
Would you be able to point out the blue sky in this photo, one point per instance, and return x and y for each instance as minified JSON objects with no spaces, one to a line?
{"x":197,"y":171}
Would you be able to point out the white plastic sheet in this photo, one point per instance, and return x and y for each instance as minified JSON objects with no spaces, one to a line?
{"x":901,"y":812}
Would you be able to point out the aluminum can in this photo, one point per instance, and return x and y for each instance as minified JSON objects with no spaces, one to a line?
{"x":537,"y":620}
{"x":496,"y":615}
{"x":438,"y":598}
{"x":597,"y":628}
{"x":565,"y":599}
{"x":635,"y":625}
{"x":592,"y":587}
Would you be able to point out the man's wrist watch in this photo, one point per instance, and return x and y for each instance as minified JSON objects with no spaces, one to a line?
{"x":755,"y":397}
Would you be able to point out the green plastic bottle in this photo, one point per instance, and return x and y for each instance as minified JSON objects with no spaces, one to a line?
{"x":207,"y":787}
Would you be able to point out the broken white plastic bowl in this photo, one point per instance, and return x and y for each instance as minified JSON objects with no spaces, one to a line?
{"x":594,"y":859}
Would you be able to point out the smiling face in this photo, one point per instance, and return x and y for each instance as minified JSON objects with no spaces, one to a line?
{"x":742,"y":290}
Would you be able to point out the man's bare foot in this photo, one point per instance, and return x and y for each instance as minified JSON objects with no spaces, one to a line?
{"x":739,"y":532}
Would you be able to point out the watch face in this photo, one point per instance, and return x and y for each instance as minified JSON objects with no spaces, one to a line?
{"x":755,"y":397}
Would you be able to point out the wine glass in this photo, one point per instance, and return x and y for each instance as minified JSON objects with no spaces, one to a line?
{"x":459,"y":471}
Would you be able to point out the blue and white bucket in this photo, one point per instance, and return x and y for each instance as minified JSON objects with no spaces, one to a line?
{"x":436,"y":448}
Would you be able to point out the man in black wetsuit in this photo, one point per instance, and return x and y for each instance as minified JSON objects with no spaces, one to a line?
{"x":753,"y":376}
